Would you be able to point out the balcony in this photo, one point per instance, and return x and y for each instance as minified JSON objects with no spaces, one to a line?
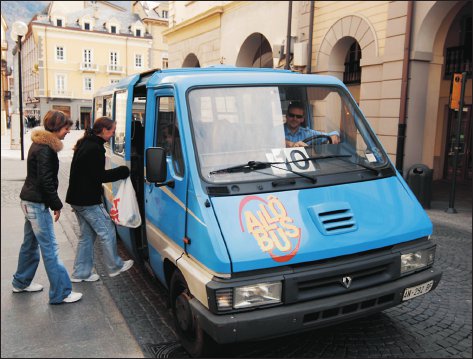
{"x":114,"y":69}
{"x":61,"y":94}
{"x":457,"y":59}
{"x":88,"y":67}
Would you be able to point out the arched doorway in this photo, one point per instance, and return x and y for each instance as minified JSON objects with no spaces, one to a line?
{"x":255,"y":52}
{"x":442,"y":47}
{"x":191,"y":60}
{"x":457,"y":50}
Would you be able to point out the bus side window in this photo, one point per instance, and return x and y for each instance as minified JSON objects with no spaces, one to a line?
{"x":120,"y":120}
{"x":168,"y":135}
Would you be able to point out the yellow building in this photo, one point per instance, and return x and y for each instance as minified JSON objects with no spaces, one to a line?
{"x":396,"y":57}
{"x":75,"y":47}
{"x":155,"y":18}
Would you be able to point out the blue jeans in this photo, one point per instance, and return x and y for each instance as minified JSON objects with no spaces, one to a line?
{"x":39,"y":233}
{"x":95,"y":221}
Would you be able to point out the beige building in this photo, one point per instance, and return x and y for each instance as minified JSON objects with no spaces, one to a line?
{"x":155,"y":18}
{"x":396,"y":57}
{"x":74,"y":48}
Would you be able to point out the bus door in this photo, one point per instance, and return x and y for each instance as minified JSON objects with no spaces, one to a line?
{"x":165,"y":206}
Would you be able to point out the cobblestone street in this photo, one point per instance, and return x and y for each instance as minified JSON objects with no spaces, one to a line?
{"x":434,"y":325}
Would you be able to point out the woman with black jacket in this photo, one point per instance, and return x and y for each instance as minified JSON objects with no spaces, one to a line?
{"x":38,"y":195}
{"x":85,"y":197}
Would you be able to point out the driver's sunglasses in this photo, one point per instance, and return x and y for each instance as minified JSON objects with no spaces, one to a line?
{"x":294,"y":115}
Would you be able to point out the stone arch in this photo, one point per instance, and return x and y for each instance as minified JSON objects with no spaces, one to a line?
{"x":191,"y":60}
{"x":332,"y":50}
{"x":426,"y":134}
{"x":255,"y":51}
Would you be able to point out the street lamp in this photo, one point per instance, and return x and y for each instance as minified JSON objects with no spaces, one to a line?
{"x":19,"y":29}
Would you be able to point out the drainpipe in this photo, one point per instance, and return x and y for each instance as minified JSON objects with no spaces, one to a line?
{"x":401,"y":131}
{"x":288,"y":38}
{"x":311,"y":30}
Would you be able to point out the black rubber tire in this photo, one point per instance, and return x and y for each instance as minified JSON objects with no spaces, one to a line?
{"x":193,"y":338}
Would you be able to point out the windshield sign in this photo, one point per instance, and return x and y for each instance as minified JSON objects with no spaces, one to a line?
{"x":260,"y":133}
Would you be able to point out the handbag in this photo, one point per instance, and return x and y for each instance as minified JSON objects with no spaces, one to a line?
{"x":125,"y":210}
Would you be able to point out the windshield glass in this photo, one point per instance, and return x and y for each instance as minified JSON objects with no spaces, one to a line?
{"x":291,"y":129}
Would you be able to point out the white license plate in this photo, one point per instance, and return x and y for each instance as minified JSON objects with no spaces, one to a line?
{"x":420,"y":289}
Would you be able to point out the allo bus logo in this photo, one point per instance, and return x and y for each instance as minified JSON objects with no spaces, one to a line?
{"x":271,"y":227}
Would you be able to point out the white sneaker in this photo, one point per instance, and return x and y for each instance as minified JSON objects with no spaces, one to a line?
{"x":93,"y":278}
{"x":33,"y":287}
{"x":126,"y":265}
{"x":72,"y":297}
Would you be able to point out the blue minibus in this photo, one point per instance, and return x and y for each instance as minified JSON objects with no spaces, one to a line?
{"x":254,"y":239}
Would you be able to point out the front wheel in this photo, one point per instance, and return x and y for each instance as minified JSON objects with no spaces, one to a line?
{"x":193,"y":338}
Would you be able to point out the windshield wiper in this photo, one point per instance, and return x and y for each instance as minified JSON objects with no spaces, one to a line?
{"x":257,"y":165}
{"x":247,"y":167}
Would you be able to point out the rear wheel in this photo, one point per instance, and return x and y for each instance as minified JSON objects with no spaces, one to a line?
{"x":193,"y":338}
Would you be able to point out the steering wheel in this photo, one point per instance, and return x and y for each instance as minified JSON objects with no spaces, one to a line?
{"x":311,"y":138}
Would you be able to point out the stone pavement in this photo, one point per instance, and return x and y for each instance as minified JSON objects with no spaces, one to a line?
{"x":92,"y":327}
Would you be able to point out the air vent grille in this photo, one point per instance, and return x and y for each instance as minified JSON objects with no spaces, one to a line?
{"x":333,"y":218}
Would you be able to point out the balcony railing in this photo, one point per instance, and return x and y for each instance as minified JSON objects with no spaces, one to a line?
{"x":457,"y":60}
{"x":115,"y":69}
{"x":61,"y":93}
{"x":88,"y":67}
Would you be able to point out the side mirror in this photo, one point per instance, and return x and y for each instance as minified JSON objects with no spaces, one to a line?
{"x":156,"y":170}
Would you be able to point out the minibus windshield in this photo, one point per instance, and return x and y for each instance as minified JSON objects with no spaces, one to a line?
{"x":295,"y":131}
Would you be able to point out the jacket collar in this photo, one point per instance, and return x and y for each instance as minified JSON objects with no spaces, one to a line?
{"x":43,"y":137}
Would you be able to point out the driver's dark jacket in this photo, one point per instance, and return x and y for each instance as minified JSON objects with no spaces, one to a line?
{"x":88,"y":173}
{"x":42,"y":168}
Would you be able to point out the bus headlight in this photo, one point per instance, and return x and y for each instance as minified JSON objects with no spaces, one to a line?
{"x":257,"y":294}
{"x":417,"y":260}
{"x":247,"y":296}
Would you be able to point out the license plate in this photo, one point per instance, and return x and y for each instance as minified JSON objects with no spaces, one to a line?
{"x":420,"y":289}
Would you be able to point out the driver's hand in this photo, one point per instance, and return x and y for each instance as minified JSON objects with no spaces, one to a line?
{"x":335,"y":139}
{"x":296,"y":144}
{"x":300,"y":144}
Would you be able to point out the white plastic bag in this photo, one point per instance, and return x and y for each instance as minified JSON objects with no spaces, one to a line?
{"x":125,"y":210}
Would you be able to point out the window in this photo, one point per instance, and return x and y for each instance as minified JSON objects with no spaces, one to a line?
{"x":60,"y":84}
{"x":88,"y":56}
{"x":138,"y":61}
{"x":165,"y":14}
{"x":59,"y":22}
{"x":87,"y":84}
{"x":113,"y":29}
{"x":168,"y":133}
{"x":60,"y":53}
{"x":113,"y":58}
{"x":165,"y":63}
{"x":352,"y":74}
{"x":120,"y":120}
{"x":86,"y":26}
{"x":138,"y":32}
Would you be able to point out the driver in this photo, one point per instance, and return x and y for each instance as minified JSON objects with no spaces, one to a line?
{"x":295,"y":134}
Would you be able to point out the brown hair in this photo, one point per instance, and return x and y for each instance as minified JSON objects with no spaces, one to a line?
{"x":55,"y":120}
{"x":99,"y":125}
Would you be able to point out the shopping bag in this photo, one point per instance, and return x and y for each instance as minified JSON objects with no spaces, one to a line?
{"x":125,"y":210}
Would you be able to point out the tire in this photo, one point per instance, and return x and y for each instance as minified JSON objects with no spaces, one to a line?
{"x":193,"y":338}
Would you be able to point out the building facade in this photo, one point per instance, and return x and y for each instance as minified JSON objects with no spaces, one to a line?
{"x":72,"y":49}
{"x":396,"y":57}
{"x":155,"y":18}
